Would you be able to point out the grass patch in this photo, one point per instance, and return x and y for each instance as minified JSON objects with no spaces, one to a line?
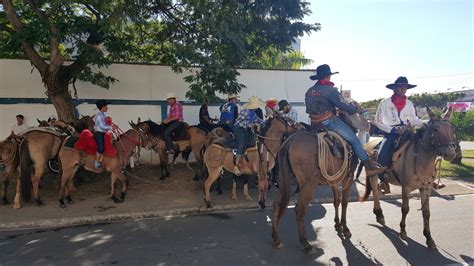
{"x":466,"y":169}
{"x":468,"y":154}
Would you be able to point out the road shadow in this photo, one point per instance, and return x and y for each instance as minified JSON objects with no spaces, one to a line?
{"x":353,"y":255}
{"x":413,"y":252}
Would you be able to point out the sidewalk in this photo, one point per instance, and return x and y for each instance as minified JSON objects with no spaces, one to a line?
{"x":100,"y":209}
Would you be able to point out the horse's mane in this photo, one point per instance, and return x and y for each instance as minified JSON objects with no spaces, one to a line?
{"x":154,"y":127}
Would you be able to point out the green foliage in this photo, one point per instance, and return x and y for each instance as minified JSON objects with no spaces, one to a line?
{"x":373,"y":104}
{"x":218,"y":36}
{"x":434,"y":100}
{"x":463,"y":124}
{"x":274,"y":58}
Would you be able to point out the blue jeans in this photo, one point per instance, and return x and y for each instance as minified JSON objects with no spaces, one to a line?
{"x":386,"y":151}
{"x":335,"y":124}
{"x":100,"y":140}
{"x":243,"y":138}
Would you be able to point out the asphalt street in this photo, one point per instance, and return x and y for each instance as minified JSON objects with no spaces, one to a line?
{"x":243,"y":238}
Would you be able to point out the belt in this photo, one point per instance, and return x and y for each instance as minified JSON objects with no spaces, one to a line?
{"x":318,"y":118}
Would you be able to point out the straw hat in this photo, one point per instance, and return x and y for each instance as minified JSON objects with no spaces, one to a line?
{"x":170,"y":95}
{"x":254,"y":103}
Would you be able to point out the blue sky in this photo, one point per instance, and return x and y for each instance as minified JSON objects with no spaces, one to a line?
{"x":372,"y":42}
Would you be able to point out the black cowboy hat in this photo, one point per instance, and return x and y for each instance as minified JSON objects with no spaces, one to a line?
{"x":101,"y":103}
{"x":321,"y":72}
{"x":400,"y":81}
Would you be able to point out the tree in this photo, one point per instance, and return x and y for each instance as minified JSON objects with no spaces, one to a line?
{"x":434,"y":100}
{"x":69,"y":40}
{"x":274,"y":58}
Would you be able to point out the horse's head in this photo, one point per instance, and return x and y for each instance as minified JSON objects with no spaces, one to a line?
{"x":280,"y":126}
{"x":356,"y":120}
{"x":42,"y":123}
{"x":440,"y":135}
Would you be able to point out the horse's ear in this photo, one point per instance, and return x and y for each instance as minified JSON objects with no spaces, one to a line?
{"x":39,"y":121}
{"x":139,"y":120}
{"x":431,"y":114}
{"x":448,"y":113}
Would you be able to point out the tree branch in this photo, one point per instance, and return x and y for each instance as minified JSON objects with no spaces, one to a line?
{"x":30,"y":52}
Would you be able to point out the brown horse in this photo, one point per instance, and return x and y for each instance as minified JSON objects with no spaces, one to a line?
{"x":299,"y":158}
{"x":261,"y":159}
{"x":414,"y":170}
{"x":191,"y":138}
{"x":71,"y":159}
{"x":10,"y":158}
{"x":37,"y":147}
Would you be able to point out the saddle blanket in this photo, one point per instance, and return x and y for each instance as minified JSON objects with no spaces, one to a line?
{"x":87,"y":143}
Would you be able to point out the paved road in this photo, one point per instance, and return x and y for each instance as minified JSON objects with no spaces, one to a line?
{"x":243,"y":238}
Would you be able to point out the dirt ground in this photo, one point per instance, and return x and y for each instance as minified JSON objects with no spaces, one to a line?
{"x":143,"y":179}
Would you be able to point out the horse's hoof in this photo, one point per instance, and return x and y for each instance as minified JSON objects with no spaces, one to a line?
{"x":115,"y":199}
{"x":278,"y":245}
{"x":39,"y":202}
{"x":234,"y":198}
{"x":403,"y":235}
{"x":338,"y":228}
{"x":5,"y":201}
{"x":381,"y":220}
{"x":248,"y":198}
{"x":262,"y":204}
{"x":69,"y":200}
{"x":431,"y":244}
{"x":62,"y":205}
{"x":122,"y":196}
{"x":162,"y":178}
{"x":208,"y":204}
{"x":310,"y":251}
{"x":16,"y":206}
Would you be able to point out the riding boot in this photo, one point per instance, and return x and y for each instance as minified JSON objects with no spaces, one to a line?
{"x":373,"y":169}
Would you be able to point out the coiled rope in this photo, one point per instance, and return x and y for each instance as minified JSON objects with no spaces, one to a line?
{"x":325,"y":158}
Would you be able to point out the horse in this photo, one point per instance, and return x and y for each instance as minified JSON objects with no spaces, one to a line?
{"x":10,"y":158}
{"x":303,"y":158}
{"x":71,"y":159}
{"x":261,"y":159}
{"x":36,"y":149}
{"x":188,"y":139}
{"x":414,"y":170}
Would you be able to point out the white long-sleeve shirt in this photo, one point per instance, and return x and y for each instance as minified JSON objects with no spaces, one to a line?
{"x":387,"y":115}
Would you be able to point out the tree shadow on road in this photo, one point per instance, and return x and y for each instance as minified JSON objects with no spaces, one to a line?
{"x":413,"y":252}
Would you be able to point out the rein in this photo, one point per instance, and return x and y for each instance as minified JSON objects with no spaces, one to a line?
{"x":263,"y":137}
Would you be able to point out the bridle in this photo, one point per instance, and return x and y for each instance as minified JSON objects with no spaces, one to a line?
{"x":263,"y":138}
{"x":434,"y":141}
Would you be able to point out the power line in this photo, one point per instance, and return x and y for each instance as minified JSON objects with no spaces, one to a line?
{"x":420,"y":77}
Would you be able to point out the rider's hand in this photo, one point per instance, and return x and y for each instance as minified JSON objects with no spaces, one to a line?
{"x":400,"y":130}
{"x":165,"y":121}
{"x":360,"y":110}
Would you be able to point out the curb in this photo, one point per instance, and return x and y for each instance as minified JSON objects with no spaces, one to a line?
{"x":121,"y":217}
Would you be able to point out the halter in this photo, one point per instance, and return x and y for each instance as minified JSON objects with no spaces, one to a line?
{"x":434,"y":141}
{"x":287,"y":124}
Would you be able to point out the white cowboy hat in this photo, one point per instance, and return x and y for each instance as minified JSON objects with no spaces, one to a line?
{"x":170,"y":95}
{"x":254,"y":103}
{"x":233,"y":95}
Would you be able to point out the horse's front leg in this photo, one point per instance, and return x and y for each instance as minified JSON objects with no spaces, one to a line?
{"x":377,"y":208}
{"x":16,"y":201}
{"x":6,"y":182}
{"x":246,"y":187}
{"x":336,"y":202}
{"x":425,"y":194}
{"x":345,"y":202}
{"x":113,"y":187}
{"x":405,"y":210}
{"x":125,"y":184}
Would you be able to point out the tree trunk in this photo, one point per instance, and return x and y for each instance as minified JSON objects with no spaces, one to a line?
{"x":60,"y":97}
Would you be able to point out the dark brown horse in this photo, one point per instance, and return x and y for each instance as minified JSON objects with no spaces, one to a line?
{"x":414,"y":170}
{"x":300,"y":159}
{"x":187,"y":139}
{"x":71,"y":159}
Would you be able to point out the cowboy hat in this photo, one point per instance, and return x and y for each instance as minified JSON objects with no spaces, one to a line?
{"x":102,"y":103}
{"x":400,"y":81}
{"x":254,"y":103}
{"x":232,"y":96}
{"x":272,"y":103}
{"x":321,"y":72}
{"x":170,"y":95}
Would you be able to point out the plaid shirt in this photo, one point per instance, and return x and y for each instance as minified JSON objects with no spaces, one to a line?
{"x":292,"y":114}
{"x":176,"y":111}
{"x":247,"y":118}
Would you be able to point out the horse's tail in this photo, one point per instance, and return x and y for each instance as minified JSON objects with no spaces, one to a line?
{"x":285,"y":177}
{"x":368,"y":189}
{"x":185,"y":154}
{"x":26,"y":165}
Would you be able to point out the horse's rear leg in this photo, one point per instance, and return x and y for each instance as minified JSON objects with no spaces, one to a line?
{"x":345,"y":202}
{"x":377,"y":208}
{"x":246,"y":187}
{"x":305,"y":197}
{"x":6,"y":182}
{"x":337,"y":200}
{"x":234,"y":187}
{"x":425,"y":207}
{"x":214,"y":173}
{"x":405,"y":210}
{"x":113,"y":187}
{"x":38,"y":173}
{"x":16,"y":201}
{"x":125,"y":184}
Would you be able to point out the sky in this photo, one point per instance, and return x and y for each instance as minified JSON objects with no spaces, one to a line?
{"x":372,"y":42}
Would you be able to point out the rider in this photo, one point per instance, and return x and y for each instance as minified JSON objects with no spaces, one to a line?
{"x":321,"y":102}
{"x":229,"y":112}
{"x":271,"y":105}
{"x":395,"y":116}
{"x":285,"y":108}
{"x":205,"y":121}
{"x":100,"y":128}
{"x":243,"y":133}
{"x":173,"y":121}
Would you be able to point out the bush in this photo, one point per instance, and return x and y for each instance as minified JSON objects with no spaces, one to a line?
{"x":463,"y":124}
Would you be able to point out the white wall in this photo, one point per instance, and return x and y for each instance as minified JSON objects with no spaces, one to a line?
{"x":18,"y":79}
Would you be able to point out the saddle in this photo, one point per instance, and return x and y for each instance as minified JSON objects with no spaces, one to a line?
{"x":86,"y":143}
{"x":49,"y":130}
{"x":180,"y":134}
{"x":335,"y":146}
